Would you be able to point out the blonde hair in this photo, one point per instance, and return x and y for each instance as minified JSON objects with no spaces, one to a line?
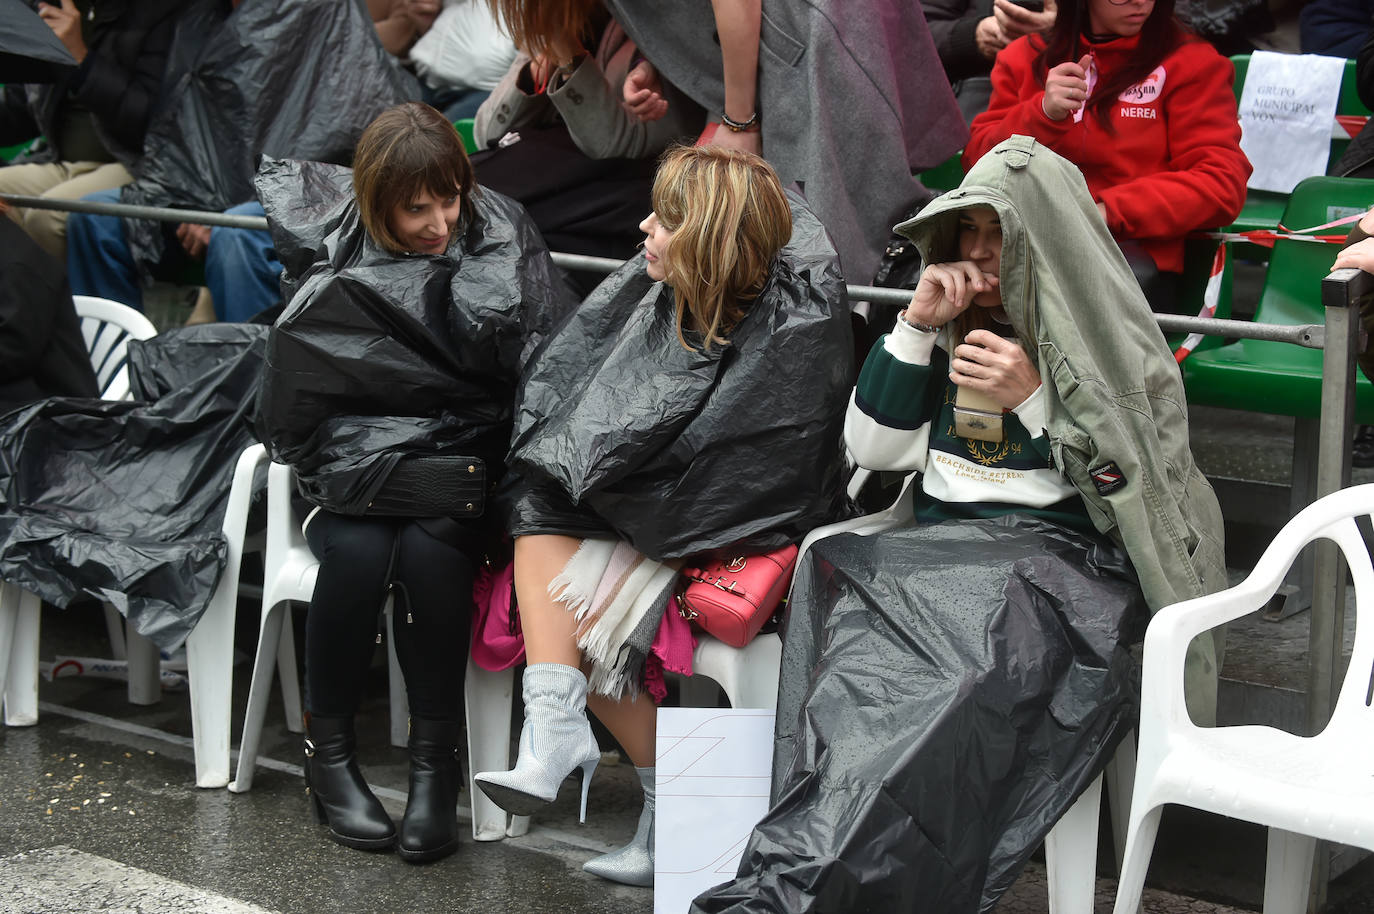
{"x":729,"y":220}
{"x":536,"y":24}
{"x":407,"y":150}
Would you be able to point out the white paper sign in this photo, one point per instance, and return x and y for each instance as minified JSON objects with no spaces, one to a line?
{"x":712,"y":777}
{"x":1287,"y":107}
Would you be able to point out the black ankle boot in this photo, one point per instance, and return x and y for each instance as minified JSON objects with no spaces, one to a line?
{"x":341,"y":797}
{"x":430,"y":827}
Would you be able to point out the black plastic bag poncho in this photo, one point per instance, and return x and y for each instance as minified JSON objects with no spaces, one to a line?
{"x":683,"y":452}
{"x":946,"y":693}
{"x":124,"y":500}
{"x":285,"y":78}
{"x":379,"y":356}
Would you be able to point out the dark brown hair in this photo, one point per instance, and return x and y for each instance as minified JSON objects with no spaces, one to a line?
{"x":408,"y":150}
{"x":1158,"y":38}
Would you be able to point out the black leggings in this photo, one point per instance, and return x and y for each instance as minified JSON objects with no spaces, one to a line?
{"x":360,"y":558}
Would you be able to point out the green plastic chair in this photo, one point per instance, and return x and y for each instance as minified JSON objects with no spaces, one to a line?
{"x":7,"y":153}
{"x":465,"y":131}
{"x":1264,"y":208}
{"x":1281,"y":378}
{"x":945,"y":176}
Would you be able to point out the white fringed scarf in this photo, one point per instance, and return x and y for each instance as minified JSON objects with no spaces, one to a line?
{"x":613,"y":592}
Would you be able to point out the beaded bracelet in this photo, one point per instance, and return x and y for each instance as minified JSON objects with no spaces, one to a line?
{"x":916,"y":325}
{"x":740,"y":126}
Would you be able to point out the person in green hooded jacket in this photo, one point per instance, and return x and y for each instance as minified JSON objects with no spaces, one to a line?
{"x":949,"y":687}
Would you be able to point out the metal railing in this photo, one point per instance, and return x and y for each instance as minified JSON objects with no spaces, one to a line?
{"x":1308,"y":335}
{"x":1341,"y":292}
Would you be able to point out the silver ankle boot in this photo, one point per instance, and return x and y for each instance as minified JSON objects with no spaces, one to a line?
{"x":556,"y":738}
{"x":633,"y":864}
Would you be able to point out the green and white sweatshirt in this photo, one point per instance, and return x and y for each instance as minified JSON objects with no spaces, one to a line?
{"x":901,"y":417}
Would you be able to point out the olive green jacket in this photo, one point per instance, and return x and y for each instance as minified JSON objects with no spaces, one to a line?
{"x":1117,"y":417}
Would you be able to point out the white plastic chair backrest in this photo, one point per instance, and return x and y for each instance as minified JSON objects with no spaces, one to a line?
{"x":107,"y":327}
{"x":1333,"y":517}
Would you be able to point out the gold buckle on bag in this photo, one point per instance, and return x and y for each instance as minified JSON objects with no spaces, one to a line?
{"x":683,"y":610}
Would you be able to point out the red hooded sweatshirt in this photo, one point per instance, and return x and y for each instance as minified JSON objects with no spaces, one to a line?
{"x":1172,"y":165}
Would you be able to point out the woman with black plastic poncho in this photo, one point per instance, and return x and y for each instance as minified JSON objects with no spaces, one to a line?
{"x":949,"y":687}
{"x":390,"y":376}
{"x":692,"y":404}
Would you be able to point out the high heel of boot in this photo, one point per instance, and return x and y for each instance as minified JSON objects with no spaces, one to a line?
{"x":587,"y":769}
{"x":556,"y":739}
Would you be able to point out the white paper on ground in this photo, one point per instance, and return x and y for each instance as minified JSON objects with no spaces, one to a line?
{"x":1287,"y":106}
{"x":713,"y":771}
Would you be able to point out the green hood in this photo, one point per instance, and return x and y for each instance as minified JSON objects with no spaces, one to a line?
{"x":1054,"y":247}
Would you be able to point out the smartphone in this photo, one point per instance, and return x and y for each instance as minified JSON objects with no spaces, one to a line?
{"x":1035,"y":6}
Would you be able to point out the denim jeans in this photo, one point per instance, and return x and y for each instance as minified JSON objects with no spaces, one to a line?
{"x":241,"y":267}
{"x":98,"y":259}
{"x":455,"y":104}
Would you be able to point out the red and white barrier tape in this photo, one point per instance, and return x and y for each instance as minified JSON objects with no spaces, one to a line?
{"x":1346,"y":126}
{"x":1212,"y":295}
{"x":1267,"y":237}
{"x":1210,"y":298}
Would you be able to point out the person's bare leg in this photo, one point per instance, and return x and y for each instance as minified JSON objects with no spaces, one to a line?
{"x":632,"y":723}
{"x":556,"y":737}
{"x":549,"y":628}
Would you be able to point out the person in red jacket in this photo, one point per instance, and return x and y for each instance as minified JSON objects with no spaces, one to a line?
{"x":1144,"y":109}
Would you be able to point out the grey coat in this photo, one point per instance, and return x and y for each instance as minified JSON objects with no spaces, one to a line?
{"x":851,"y":96}
{"x":1117,"y":414}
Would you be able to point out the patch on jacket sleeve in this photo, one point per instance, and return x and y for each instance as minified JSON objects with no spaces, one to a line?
{"x":1108,"y":478}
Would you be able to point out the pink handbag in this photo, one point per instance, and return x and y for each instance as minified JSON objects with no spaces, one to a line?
{"x":733,"y":598}
{"x":497,"y":642}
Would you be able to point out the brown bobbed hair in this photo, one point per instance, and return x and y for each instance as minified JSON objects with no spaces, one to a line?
{"x":535,"y":24}
{"x":408,"y":150}
{"x":729,"y":220}
{"x":1159,"y":37}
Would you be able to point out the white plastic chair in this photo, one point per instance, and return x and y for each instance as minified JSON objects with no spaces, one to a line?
{"x":289,"y":575}
{"x":1302,"y":788}
{"x":1071,"y":846}
{"x":107,"y":327}
{"x":209,"y":648}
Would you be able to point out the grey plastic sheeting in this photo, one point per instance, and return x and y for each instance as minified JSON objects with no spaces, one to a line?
{"x":947,"y":692}
{"x":124,"y":500}
{"x":687,"y":451}
{"x":379,"y":356}
{"x":286,"y":78}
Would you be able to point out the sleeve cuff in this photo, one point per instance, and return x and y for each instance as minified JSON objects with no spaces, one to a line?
{"x":580,"y":73}
{"x":907,"y":344}
{"x":1031,"y":412}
